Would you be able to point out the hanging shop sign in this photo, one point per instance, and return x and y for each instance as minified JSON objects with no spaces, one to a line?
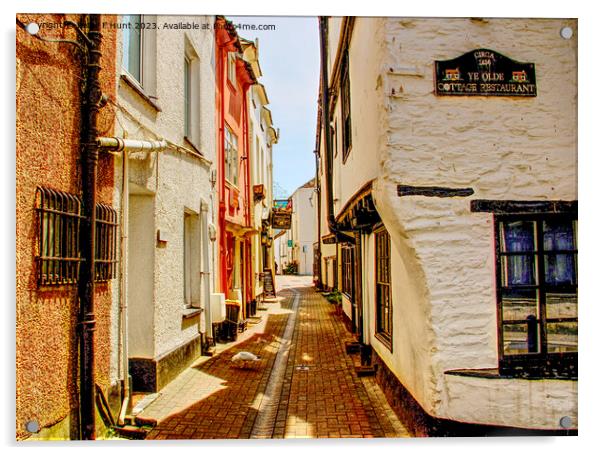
{"x":283,"y":204}
{"x":483,"y":72}
{"x":281,"y":219}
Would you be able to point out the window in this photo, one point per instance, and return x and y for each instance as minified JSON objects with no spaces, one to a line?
{"x":232,"y":68}
{"x":347,"y":270}
{"x":187,"y":97}
{"x":384,"y":321}
{"x":59,"y":254}
{"x":191,"y":258}
{"x":231,"y":156}
{"x":192,"y":95}
{"x":139,"y":61}
{"x":132,"y":46}
{"x":345,"y":107}
{"x":537,"y":294}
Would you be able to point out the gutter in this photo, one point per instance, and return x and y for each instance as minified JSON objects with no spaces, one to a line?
{"x":91,"y":104}
{"x":333,"y":225}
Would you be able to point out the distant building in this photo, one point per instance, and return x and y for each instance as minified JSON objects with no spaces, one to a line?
{"x":450,"y":222}
{"x":262,"y":137}
{"x":303,"y":227}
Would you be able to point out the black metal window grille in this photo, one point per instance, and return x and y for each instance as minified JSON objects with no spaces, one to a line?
{"x":345,"y":107}
{"x":348,"y":271}
{"x":384,"y":320}
{"x":537,"y":294}
{"x":106,"y":243}
{"x":59,"y":216}
{"x":59,"y":254}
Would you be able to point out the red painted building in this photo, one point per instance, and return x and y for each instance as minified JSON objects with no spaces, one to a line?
{"x":234,"y":76}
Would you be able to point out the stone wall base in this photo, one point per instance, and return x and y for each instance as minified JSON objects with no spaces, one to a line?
{"x":151,"y":375}
{"x":422,"y":424}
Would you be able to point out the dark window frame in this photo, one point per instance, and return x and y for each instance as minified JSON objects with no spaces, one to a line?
{"x":188,"y":76}
{"x":382,"y":287}
{"x":231,"y":156}
{"x":540,"y":363}
{"x":346,"y":142}
{"x":348,"y":271}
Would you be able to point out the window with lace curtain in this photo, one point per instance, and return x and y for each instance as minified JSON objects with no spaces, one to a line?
{"x":537,"y":294}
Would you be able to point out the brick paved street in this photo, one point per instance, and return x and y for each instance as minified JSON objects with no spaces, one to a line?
{"x":312,"y":391}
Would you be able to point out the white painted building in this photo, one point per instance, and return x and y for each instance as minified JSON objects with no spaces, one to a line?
{"x":456,"y":217}
{"x":303,"y":227}
{"x":166,"y":94}
{"x":262,"y":137}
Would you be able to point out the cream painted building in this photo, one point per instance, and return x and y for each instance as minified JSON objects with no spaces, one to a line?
{"x":165,"y":107}
{"x":452,"y":218}
{"x":295,"y":245}
{"x":303,"y":227}
{"x":262,"y":137}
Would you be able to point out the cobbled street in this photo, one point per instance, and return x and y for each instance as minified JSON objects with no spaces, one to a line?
{"x":304,"y":386}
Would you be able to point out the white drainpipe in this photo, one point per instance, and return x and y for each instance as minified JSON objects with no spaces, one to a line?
{"x":205,"y":274}
{"x":116,"y":144}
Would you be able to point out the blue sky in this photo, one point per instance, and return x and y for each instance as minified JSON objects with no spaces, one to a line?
{"x":290,"y":61}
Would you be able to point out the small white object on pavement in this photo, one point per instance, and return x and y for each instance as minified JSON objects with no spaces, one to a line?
{"x":245,"y":359}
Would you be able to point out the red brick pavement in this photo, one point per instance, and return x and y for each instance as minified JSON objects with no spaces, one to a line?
{"x":321,"y":396}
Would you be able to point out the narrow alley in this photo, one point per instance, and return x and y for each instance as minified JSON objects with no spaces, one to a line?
{"x":304,"y":386}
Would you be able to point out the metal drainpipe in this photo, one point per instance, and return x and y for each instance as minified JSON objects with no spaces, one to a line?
{"x":222,"y":175}
{"x":332,"y":224}
{"x":125,"y":208}
{"x":319,"y":208}
{"x":87,"y":321}
{"x":206,"y":274}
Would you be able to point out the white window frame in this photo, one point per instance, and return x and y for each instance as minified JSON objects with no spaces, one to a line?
{"x":231,"y":156}
{"x":232,"y":68}
{"x":146,"y":80}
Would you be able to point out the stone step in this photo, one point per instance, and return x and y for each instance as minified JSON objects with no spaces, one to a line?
{"x":132,"y":432}
{"x":362,"y":371}
{"x":352,"y":347}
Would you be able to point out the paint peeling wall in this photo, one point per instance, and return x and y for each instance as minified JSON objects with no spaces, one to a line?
{"x":442,"y":254}
{"x":47,"y":154}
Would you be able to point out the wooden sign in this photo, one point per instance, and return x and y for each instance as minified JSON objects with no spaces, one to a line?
{"x":483,"y":72}
{"x":268,"y":284}
{"x":281,"y":219}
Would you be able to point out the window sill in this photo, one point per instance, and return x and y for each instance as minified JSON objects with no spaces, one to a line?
{"x":134,"y":85}
{"x":386,"y":341}
{"x":494,"y":373}
{"x":188,"y":313}
{"x":346,"y":154}
{"x":191,"y":144}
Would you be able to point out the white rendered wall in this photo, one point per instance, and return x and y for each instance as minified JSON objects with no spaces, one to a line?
{"x":444,"y":314}
{"x":178,"y":179}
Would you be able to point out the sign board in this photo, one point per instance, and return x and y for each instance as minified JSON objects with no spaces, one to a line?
{"x":283,"y":204}
{"x":281,"y":219}
{"x":268,"y":284}
{"x":483,"y":72}
{"x":289,"y":243}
